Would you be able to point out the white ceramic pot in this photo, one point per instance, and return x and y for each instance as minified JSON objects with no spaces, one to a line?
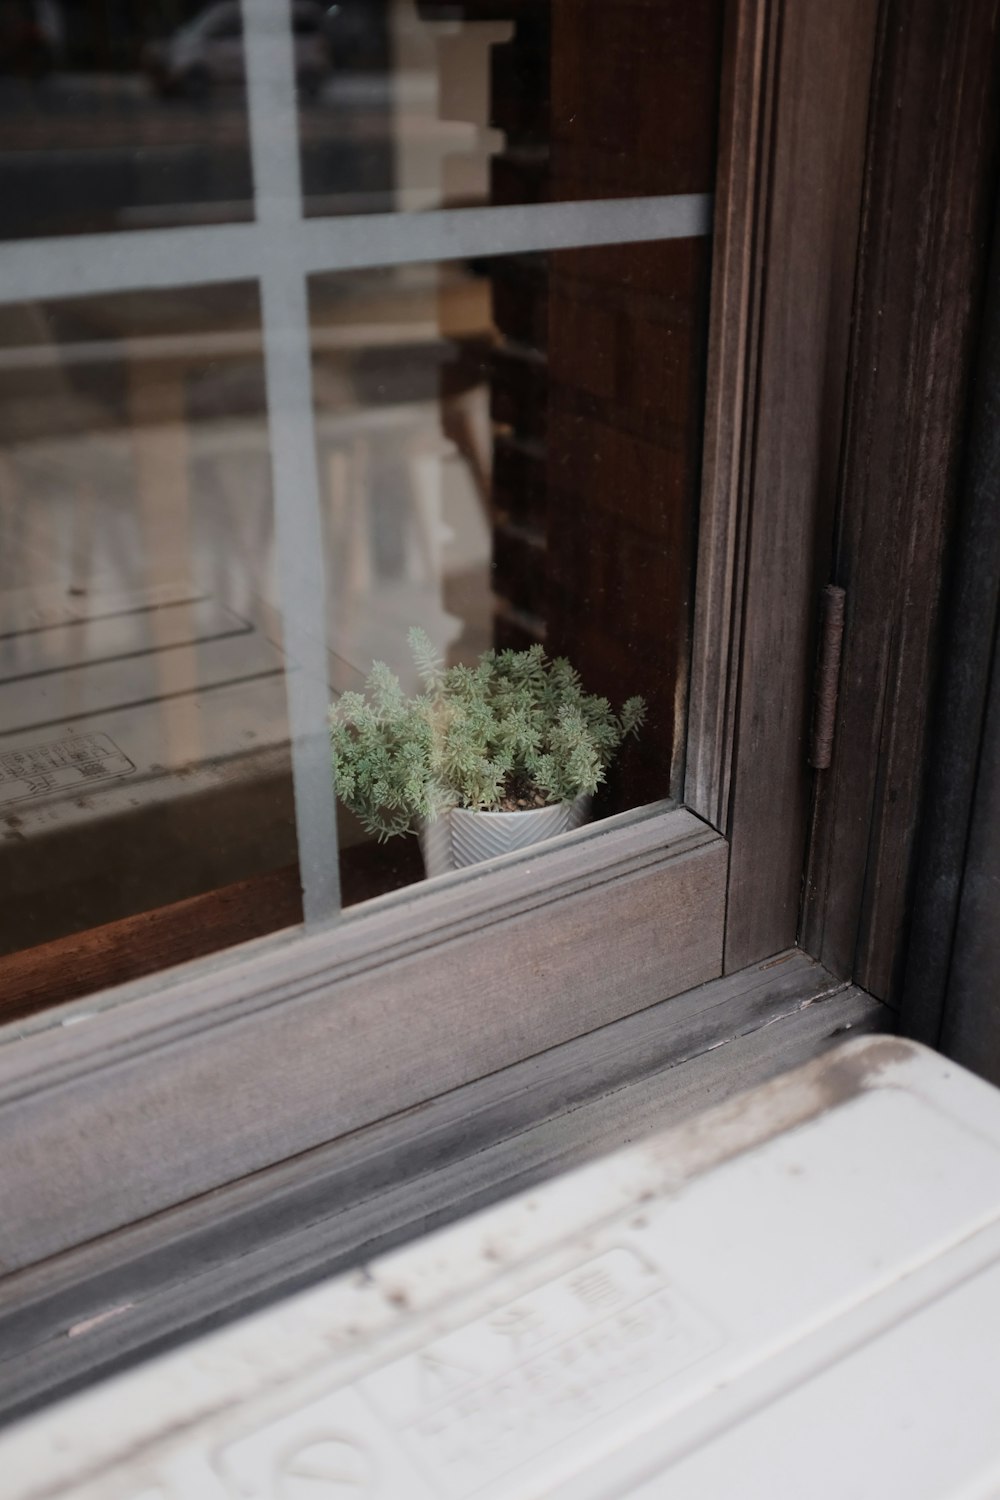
{"x":460,"y":838}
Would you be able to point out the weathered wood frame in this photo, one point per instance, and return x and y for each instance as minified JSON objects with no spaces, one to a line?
{"x":161,"y":1093}
{"x":930,"y":185}
{"x":952,"y":962}
{"x":792,"y":155}
{"x":159,"y":1098}
{"x":177,"y":1274}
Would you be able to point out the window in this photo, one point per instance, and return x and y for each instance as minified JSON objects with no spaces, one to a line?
{"x":460,"y":380}
{"x":507,"y":454}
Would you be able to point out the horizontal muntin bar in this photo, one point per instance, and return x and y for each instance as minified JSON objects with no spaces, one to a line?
{"x":83,"y":265}
{"x":137,"y":259}
{"x":352,"y":243}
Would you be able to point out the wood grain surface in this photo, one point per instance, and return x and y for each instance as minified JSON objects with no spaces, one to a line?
{"x":738,"y":263}
{"x":297,"y":1044}
{"x":813,"y":215}
{"x":929,"y":193}
{"x":237,"y":1249}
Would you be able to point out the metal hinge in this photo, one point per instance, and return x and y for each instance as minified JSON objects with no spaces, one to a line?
{"x":831,"y":640}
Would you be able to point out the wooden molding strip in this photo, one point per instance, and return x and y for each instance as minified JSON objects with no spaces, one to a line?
{"x":813,"y":212}
{"x":152,"y":1099}
{"x":743,"y":176}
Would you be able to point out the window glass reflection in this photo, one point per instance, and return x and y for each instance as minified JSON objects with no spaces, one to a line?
{"x":507,"y":446}
{"x":509,"y":454}
{"x":121,"y":116}
{"x":456,"y":103}
{"x":132,"y":115}
{"x":143,"y":720}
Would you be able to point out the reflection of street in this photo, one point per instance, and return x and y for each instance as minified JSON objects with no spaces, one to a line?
{"x":90,"y":151}
{"x":87,"y":111}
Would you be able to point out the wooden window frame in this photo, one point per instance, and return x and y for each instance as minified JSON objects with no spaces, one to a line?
{"x":161,"y":1163}
{"x":127,"y":1104}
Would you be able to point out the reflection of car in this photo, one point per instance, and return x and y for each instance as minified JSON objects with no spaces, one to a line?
{"x":209,"y":50}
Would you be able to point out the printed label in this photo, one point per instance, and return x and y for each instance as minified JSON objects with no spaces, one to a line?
{"x":469,"y":1409}
{"x":493,"y":1395}
{"x":38,"y":770}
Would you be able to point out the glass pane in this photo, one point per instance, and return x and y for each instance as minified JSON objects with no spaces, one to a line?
{"x":143,"y":722}
{"x":507,"y":447}
{"x":509,"y":451}
{"x":447,"y":103}
{"x":123,"y":116}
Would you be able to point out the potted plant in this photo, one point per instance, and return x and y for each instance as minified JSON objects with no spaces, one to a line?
{"x":488,"y":758}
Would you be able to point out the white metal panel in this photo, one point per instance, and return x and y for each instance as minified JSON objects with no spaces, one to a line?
{"x":797,"y":1294}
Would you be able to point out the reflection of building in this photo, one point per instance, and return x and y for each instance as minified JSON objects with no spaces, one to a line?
{"x":597,"y":383}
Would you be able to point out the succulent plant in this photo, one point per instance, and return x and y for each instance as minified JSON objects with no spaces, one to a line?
{"x":515,"y":730}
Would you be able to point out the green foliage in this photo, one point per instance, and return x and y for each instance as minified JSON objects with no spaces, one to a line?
{"x":514,"y":724}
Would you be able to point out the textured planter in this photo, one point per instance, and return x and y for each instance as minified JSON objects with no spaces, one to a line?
{"x":462,"y":838}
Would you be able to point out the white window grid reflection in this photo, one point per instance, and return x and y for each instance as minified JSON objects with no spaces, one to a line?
{"x":279,"y":251}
